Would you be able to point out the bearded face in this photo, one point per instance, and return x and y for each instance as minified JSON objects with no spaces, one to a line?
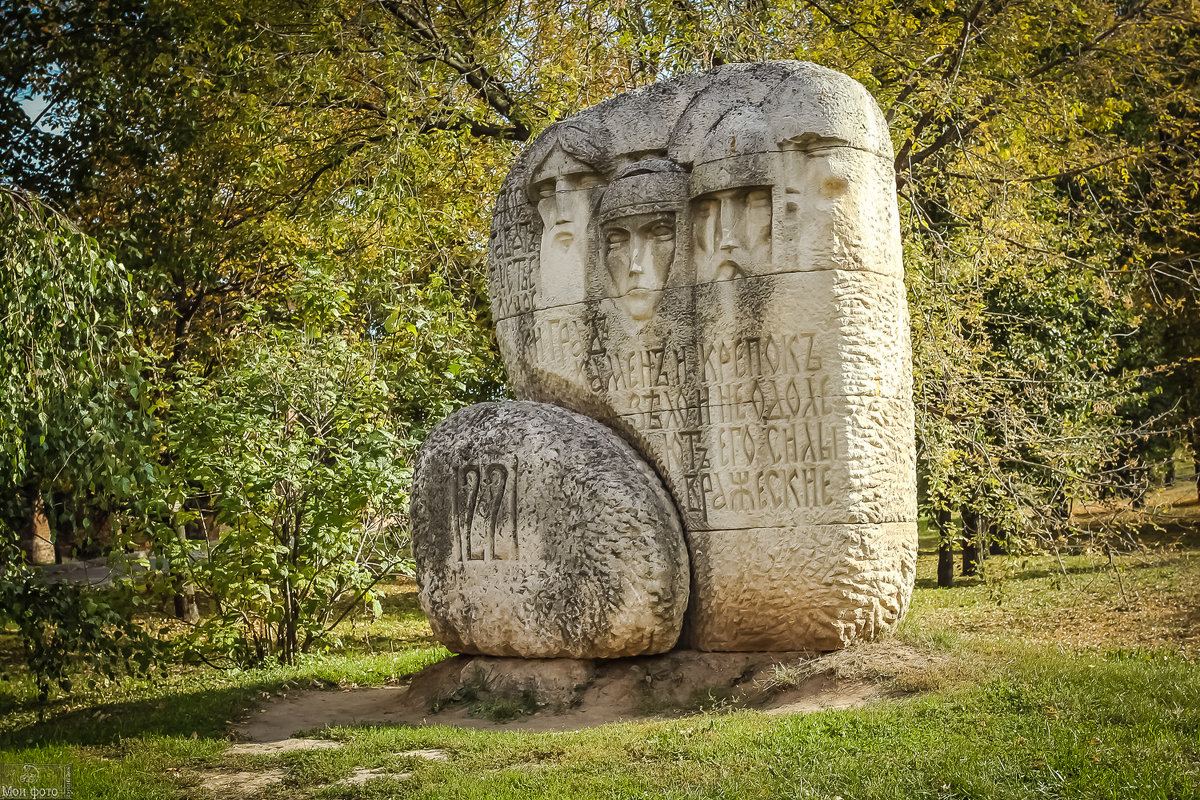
{"x":731,"y":231}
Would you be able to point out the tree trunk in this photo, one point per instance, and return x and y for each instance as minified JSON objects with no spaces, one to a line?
{"x":185,"y":603}
{"x":1062,"y":511}
{"x":293,"y":614}
{"x":291,"y":607}
{"x":66,"y":527}
{"x":970,"y":542}
{"x":945,"y":573}
{"x":41,"y":542}
{"x":185,"y":591}
{"x":293,"y":599}
{"x":997,"y":540}
{"x":103,"y":536}
{"x":287,"y":625}
{"x":1196,"y":452}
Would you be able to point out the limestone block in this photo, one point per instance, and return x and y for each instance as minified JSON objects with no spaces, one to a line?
{"x":539,"y":533}
{"x":712,"y":267}
{"x":847,"y":330}
{"x":820,"y":586}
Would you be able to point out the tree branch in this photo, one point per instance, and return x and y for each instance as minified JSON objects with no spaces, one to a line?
{"x":989,"y":105}
{"x":489,"y":89}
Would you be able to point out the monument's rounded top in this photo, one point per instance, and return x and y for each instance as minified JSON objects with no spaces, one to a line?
{"x":774,"y":103}
{"x":697,"y":118}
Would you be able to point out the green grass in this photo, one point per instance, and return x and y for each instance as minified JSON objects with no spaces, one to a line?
{"x":1048,"y":730}
{"x":1050,"y":681}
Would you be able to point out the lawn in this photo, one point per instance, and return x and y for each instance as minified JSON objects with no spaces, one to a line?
{"x":1052,"y":675}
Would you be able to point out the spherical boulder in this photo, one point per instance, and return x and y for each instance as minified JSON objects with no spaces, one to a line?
{"x":539,"y":533}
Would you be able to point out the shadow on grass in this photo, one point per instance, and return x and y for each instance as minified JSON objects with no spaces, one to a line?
{"x":1033,"y":573}
{"x":171,"y":710}
{"x":386,"y":644}
{"x":959,"y":583}
{"x":1161,"y":560}
{"x":1162,"y":531}
{"x":204,"y":713}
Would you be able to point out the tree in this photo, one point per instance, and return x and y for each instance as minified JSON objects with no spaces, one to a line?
{"x":231,"y":152}
{"x":1005,"y":132}
{"x":292,"y":446}
{"x":70,"y":420}
{"x":1154,"y":207}
{"x":71,"y":393}
{"x":178,"y":141}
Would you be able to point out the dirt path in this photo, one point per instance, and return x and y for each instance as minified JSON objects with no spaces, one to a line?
{"x":281,"y":718}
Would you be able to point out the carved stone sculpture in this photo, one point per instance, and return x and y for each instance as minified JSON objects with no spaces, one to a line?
{"x":541,"y":534}
{"x":711,"y":266}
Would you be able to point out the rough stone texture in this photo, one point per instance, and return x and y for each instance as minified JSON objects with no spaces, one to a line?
{"x":554,"y":682}
{"x":539,"y":533}
{"x":712,"y":266}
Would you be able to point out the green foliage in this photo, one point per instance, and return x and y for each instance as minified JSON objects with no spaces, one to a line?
{"x":69,"y":380}
{"x":190,"y":698}
{"x":68,"y":630}
{"x":373,"y":131}
{"x":1006,"y":132}
{"x":69,"y":420}
{"x":182,"y":144}
{"x":300,"y":463}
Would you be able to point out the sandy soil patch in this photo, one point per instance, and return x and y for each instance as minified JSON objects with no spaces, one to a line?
{"x":241,"y":784}
{"x":361,"y":775}
{"x":289,"y":745}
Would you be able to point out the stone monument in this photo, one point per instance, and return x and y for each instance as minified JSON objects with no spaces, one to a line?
{"x":711,"y":266}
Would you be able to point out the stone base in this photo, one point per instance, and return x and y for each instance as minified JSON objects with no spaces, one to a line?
{"x":623,"y":688}
{"x":550,"y":682}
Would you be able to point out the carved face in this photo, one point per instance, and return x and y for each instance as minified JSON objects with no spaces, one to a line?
{"x":638,"y":251}
{"x":564,"y":206}
{"x":732,"y":233}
